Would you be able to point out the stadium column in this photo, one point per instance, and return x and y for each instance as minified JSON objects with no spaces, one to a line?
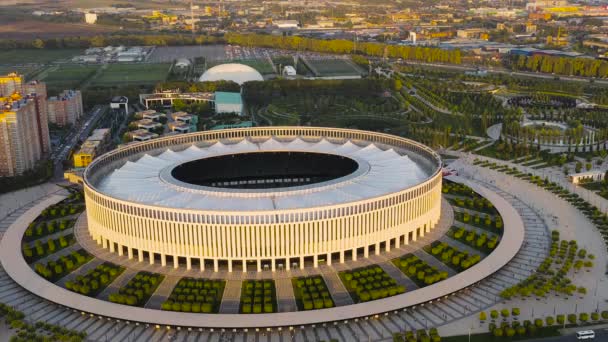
{"x":151,"y":257}
{"x":216,"y":266}
{"x":244,"y":265}
{"x":229,"y":265}
{"x":140,"y":255}
{"x":130,"y":252}
{"x":328,"y":259}
{"x":259,"y":263}
{"x":163,"y":260}
{"x":119,"y":250}
{"x":188,"y":263}
{"x":387,"y":247}
{"x":175,"y":261}
{"x":315,"y":261}
{"x":377,"y":249}
{"x":301,"y":262}
{"x":355,"y":253}
{"x":202,"y":261}
{"x":341,"y":257}
{"x":365,"y":252}
{"x":273,"y":265}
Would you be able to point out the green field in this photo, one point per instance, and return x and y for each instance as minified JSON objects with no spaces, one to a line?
{"x":67,"y":76}
{"x":25,"y":56}
{"x":26,"y":70}
{"x":132,"y":74}
{"x":333,"y":67}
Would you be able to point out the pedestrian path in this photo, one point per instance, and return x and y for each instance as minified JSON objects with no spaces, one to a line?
{"x":285,"y":296}
{"x":232,"y":297}
{"x":162,"y":293}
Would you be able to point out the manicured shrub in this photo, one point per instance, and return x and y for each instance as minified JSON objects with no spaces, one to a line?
{"x":494,"y":314}
{"x":482,"y":316}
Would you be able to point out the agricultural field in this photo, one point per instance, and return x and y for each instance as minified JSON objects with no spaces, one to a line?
{"x":36,"y":56}
{"x":263,"y":66}
{"x":333,"y":67}
{"x":68,"y":76}
{"x":132,"y":74}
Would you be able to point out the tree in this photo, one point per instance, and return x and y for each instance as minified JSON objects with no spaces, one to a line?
{"x":482,"y":316}
{"x":38,"y":44}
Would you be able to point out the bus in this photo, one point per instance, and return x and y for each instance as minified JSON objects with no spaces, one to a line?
{"x":585,"y":334}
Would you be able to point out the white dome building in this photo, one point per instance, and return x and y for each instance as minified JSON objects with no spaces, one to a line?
{"x":239,"y":73}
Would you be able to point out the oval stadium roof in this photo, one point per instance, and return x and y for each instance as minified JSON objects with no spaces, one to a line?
{"x":239,"y":73}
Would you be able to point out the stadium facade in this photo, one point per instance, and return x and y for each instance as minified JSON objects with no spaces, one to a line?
{"x":268,"y":197}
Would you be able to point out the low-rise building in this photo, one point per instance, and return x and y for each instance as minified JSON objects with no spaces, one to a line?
{"x":121,"y":103}
{"x":96,"y":144}
{"x":180,"y":127}
{"x":165,"y":98}
{"x":227,"y":102}
{"x":142,"y":135}
{"x":147,"y":124}
{"x":587,"y":177}
{"x":66,"y":108}
{"x":90,"y":18}
{"x":85,"y":155}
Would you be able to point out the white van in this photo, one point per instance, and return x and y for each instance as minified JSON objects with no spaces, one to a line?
{"x":585,"y":334}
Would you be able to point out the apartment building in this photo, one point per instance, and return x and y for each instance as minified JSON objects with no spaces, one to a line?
{"x":66,"y":108}
{"x":20,"y":141}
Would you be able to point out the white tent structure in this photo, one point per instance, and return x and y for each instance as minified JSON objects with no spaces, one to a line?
{"x":239,"y":73}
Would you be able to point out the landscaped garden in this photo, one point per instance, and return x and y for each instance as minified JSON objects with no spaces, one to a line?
{"x":138,"y":290}
{"x":39,"y":249}
{"x":96,"y":280}
{"x":311,"y":293}
{"x":258,"y":296}
{"x":452,"y":256}
{"x":196,"y":295}
{"x":552,"y":274}
{"x":369,"y":283}
{"x":484,"y":242}
{"x":419,"y":271}
{"x":56,"y":269}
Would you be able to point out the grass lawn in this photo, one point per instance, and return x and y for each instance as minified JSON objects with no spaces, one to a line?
{"x":69,"y":76}
{"x":24,"y":56}
{"x":132,"y":74}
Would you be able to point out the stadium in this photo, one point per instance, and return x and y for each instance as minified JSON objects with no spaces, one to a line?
{"x":263,"y":198}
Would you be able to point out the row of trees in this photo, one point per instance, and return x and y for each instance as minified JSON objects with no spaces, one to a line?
{"x":587,"y":67}
{"x":343,"y":46}
{"x":80,"y":42}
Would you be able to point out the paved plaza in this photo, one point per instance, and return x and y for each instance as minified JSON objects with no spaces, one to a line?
{"x":454,"y":314}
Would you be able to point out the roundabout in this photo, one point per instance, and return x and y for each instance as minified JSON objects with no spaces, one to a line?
{"x":510,"y":243}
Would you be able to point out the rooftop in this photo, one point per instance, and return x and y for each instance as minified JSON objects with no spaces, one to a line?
{"x":222,"y":97}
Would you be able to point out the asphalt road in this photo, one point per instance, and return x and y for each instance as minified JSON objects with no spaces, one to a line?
{"x":601,"y":335}
{"x":79,"y":133}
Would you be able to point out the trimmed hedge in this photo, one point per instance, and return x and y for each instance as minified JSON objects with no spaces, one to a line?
{"x":58,"y":268}
{"x":196,"y":295}
{"x":370,"y":283}
{"x":258,"y":296}
{"x":138,"y":290}
{"x":452,"y":256}
{"x":96,"y":280}
{"x":40,"y":250}
{"x":311,"y":293}
{"x":419,"y":271}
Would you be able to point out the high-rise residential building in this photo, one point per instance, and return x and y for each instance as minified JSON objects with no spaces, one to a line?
{"x":37,"y":90}
{"x":24,"y":129}
{"x":10,"y":83}
{"x":20,"y":147}
{"x":66,"y":108}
